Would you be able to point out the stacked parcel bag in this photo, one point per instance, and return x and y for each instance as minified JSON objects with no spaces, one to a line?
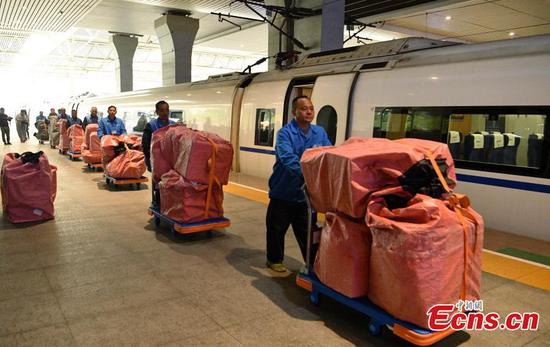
{"x":394,"y":230}
{"x":91,"y":147}
{"x":29,"y":184}
{"x":190,"y":167}
{"x":122,"y":157}
{"x":62,"y":127}
{"x":76,"y":138}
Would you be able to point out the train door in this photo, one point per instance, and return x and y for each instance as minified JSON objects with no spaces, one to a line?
{"x":331,"y":99}
{"x":262,"y":114}
{"x":297,"y":87}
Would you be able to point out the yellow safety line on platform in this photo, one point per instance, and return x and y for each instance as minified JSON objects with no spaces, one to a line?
{"x":515,"y":269}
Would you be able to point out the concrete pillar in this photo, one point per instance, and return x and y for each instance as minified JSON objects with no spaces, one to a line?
{"x":176,"y":34}
{"x":125,"y":46}
{"x":332,"y":30}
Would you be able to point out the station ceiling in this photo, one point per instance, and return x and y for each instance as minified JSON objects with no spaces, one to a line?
{"x":73,"y":33}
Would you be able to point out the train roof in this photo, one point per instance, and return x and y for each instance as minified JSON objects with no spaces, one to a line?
{"x":386,"y":55}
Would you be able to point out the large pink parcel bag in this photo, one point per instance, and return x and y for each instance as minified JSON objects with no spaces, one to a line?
{"x":28,"y":188}
{"x":63,"y":135}
{"x":91,"y":148}
{"x":188,"y":202}
{"x":418,"y":255}
{"x":91,"y":142}
{"x":195,"y":151}
{"x":342,"y":262}
{"x":161,"y":153}
{"x":191,"y":153}
{"x":128,"y":164}
{"x":340,"y":179}
{"x":76,"y":137}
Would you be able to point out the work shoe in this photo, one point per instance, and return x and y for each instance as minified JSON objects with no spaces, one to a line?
{"x":277,"y":267}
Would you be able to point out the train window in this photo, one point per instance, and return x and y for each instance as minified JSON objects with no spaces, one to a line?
{"x":328,"y":119}
{"x":502,"y":139}
{"x":265,"y":127}
{"x":178,"y":115}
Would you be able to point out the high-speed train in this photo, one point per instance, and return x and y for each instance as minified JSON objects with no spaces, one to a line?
{"x":490,"y":102}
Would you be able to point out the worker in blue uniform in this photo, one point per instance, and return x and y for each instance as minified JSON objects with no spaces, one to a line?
{"x":63,"y":114}
{"x":111,"y":125}
{"x":287,"y":205}
{"x":92,"y":118}
{"x":162,"y":109}
{"x":41,"y":118}
{"x":73,"y":119}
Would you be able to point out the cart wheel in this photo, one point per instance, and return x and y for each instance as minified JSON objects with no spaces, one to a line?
{"x":314,"y":298}
{"x":374,"y":329}
{"x":173,"y":232}
{"x":156,"y":220}
{"x":138,"y":186}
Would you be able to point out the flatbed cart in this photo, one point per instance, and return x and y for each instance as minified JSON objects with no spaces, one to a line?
{"x":94,"y":167}
{"x":188,"y":228}
{"x":114,"y":182}
{"x":74,"y":155}
{"x":378,"y":317}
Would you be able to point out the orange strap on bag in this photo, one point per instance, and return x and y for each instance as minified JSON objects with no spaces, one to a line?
{"x":458,"y":203}
{"x":211,"y":176}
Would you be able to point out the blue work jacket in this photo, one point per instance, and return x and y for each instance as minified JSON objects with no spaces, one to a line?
{"x":287,"y":180}
{"x":111,"y":127}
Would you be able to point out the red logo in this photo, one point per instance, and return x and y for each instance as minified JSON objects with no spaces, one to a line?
{"x":469,"y":315}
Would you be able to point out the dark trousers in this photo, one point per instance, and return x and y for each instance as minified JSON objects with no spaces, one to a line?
{"x":280,"y":215}
{"x":5,"y":134}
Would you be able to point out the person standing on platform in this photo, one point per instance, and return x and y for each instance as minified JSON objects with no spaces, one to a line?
{"x":41,"y":117}
{"x":91,"y":119}
{"x":5,"y":126}
{"x":74,"y":119}
{"x":287,"y":205}
{"x":111,"y":125}
{"x":162,"y":109}
{"x":22,"y":125}
{"x":41,"y":124}
{"x":63,"y":114}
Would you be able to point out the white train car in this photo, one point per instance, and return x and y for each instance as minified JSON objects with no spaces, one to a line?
{"x":489,"y":101}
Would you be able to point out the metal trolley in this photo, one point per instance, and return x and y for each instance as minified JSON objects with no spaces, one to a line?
{"x":74,"y":155}
{"x":188,"y":228}
{"x":378,"y":317}
{"x":115,"y":182}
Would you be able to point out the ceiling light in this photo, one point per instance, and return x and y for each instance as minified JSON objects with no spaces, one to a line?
{"x":511,"y":33}
{"x":434,"y":78}
{"x":218,"y":92}
{"x":448,"y":18}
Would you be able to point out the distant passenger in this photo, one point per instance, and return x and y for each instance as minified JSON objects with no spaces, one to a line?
{"x":52,"y":112}
{"x":111,"y":125}
{"x":162,"y":109}
{"x":22,"y":125}
{"x":63,"y":114}
{"x":91,"y":119}
{"x":74,"y":119}
{"x":41,"y":125}
{"x":5,"y":126}
{"x":41,"y":118}
{"x":287,"y":205}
